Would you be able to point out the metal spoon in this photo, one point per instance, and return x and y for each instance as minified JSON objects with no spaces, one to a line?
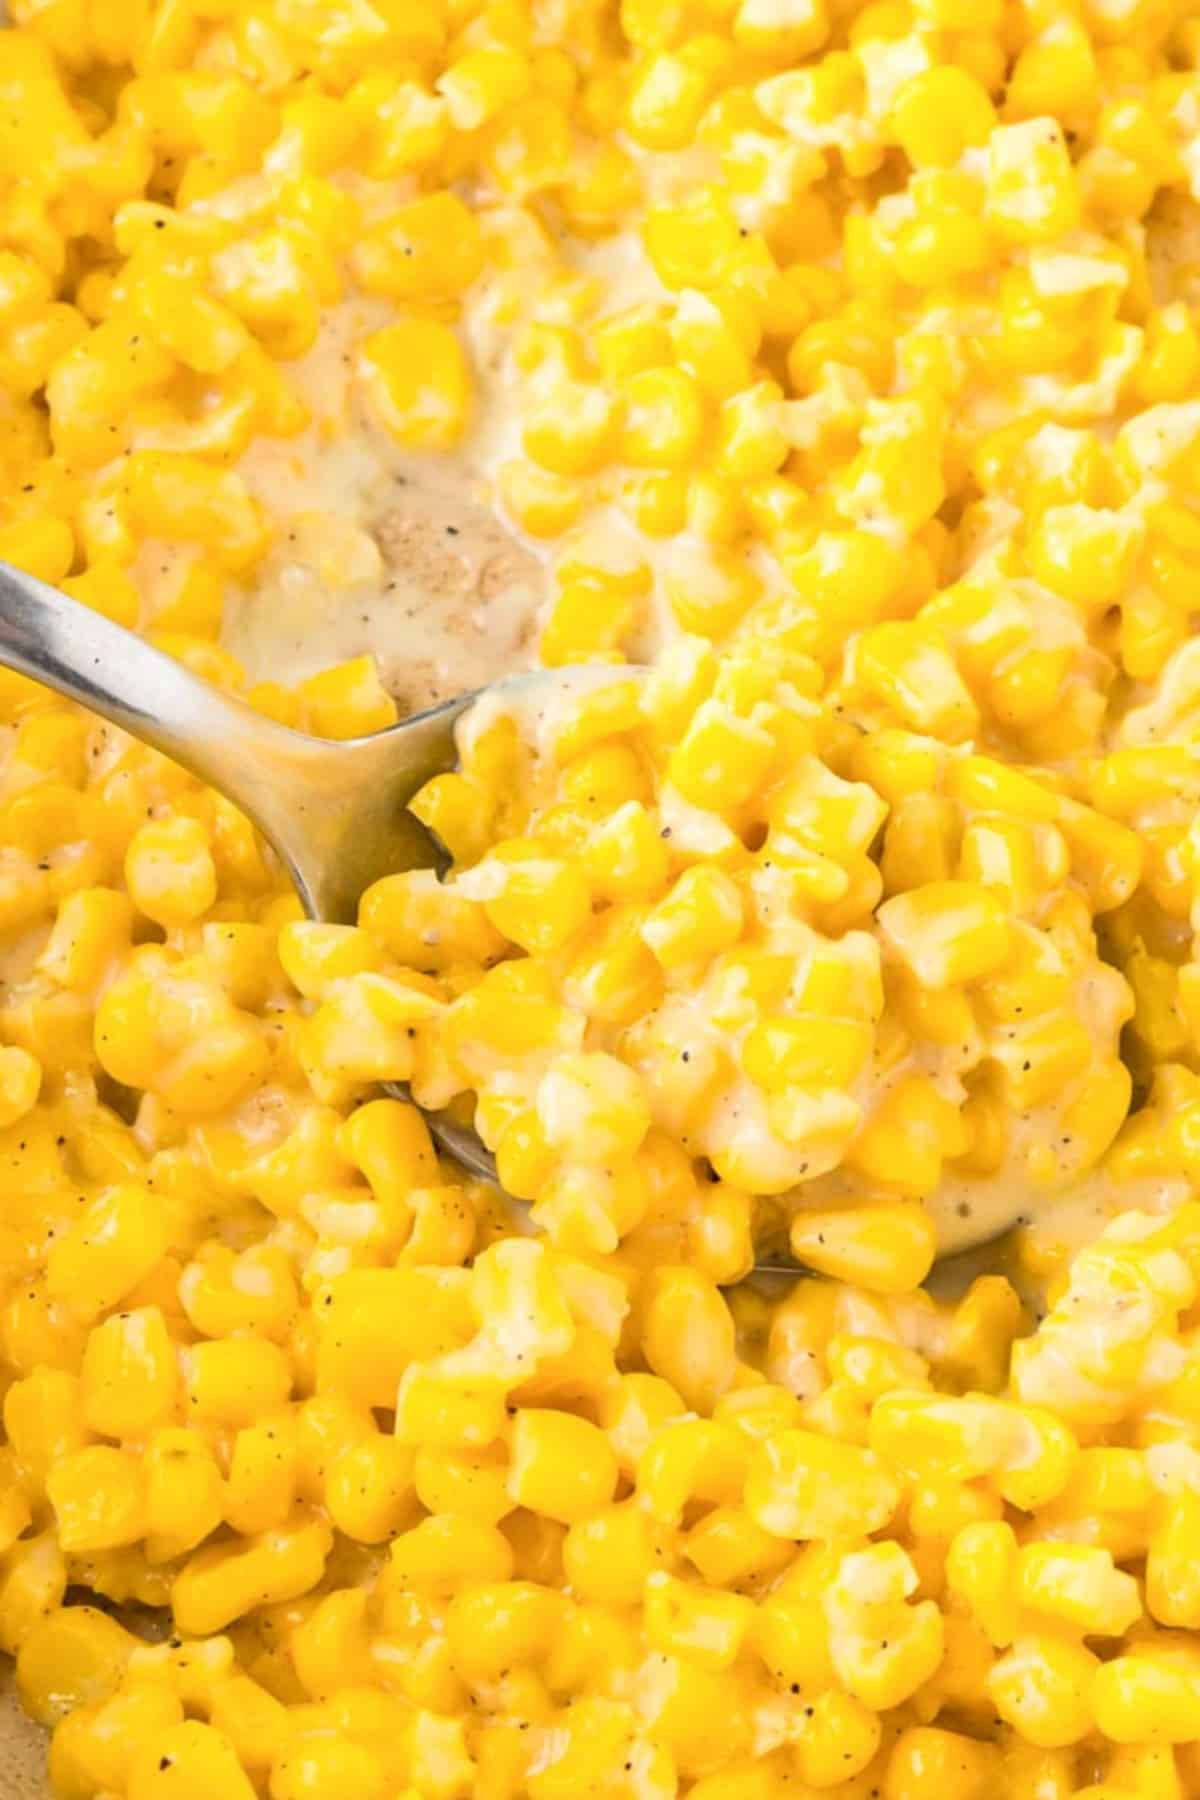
{"x":336,"y":814}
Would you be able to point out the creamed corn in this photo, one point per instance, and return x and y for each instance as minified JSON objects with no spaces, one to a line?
{"x":840,"y":363}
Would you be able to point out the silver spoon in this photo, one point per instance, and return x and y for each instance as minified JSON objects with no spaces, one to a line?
{"x":335,"y":813}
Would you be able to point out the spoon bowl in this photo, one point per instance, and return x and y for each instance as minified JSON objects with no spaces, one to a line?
{"x":336,"y":813}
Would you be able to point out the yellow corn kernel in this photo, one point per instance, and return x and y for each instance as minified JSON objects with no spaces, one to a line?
{"x":1171,"y":1595}
{"x":592,"y":1107}
{"x":625,"y":854}
{"x":886,"y":1249}
{"x":1084,"y":553}
{"x":539,"y":502}
{"x":234,"y":1381}
{"x":722,"y":759}
{"x":688,"y":1335}
{"x":607,"y":710}
{"x":540,"y":901}
{"x":438,"y":1409}
{"x":1079,"y":1584}
{"x":610,"y":777}
{"x":947,"y":932}
{"x":253,"y":1720}
{"x":608,"y":1555}
{"x":170,"y":872}
{"x":570,"y":428}
{"x":20,"y":1082}
{"x":348,"y":700}
{"x":93,"y":927}
{"x":190,"y":1668}
{"x":1170,"y":362}
{"x":368,"y":1488}
{"x":222,"y":1581}
{"x":329,"y":1646}
{"x":728,"y":1548}
{"x":426,"y":925}
{"x":904,"y":1143}
{"x":376,"y":1321}
{"x":255,"y":1290}
{"x":128,"y":1375}
{"x":1044,"y":1687}
{"x":185,"y":1496}
{"x":115,"y":1243}
{"x":389,"y":1142}
{"x":495,"y":1625}
{"x":45,"y":547}
{"x":1055,"y":74}
{"x":657,"y":502}
{"x":1145,"y":1698}
{"x":74,"y":1658}
{"x":711,"y":343}
{"x":948,"y":1763}
{"x":419,"y":380}
{"x":99,"y":1499}
{"x":1031,"y":190}
{"x":838,"y":1740}
{"x":175,"y":496}
{"x":42,"y":1421}
{"x":431,"y":250}
{"x":815,"y":810}
{"x":811,"y":1052}
{"x":96,"y":1745}
{"x":666,"y":101}
{"x":981,"y":1571}
{"x":32,"y":1586}
{"x":700,"y":1624}
{"x":801,"y":1485}
{"x":939,"y":113}
{"x":663,"y":421}
{"x":586,"y":621}
{"x":561,"y":1465}
{"x":263,"y":1475}
{"x":310,"y":1767}
{"x":448,"y":1551}
{"x":363,"y":1032}
{"x":183,"y":1039}
{"x":458,"y":812}
{"x":1106,"y":858}
{"x":482,"y":83}
{"x":883,"y":1645}
{"x":470,"y":1483}
{"x":700,"y":917}
{"x":314,"y":956}
{"x":188,"y":1762}
{"x":709,"y":594}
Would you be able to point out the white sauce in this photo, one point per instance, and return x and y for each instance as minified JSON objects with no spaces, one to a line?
{"x":380,"y":550}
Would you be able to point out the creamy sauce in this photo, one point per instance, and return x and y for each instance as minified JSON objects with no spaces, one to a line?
{"x":379,"y":550}
{"x":22,"y":1745}
{"x":1173,"y":247}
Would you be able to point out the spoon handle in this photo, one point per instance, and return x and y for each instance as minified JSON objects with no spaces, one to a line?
{"x":69,"y":647}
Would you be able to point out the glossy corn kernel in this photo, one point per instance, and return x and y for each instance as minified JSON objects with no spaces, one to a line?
{"x":948,"y":933}
{"x":419,"y":380}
